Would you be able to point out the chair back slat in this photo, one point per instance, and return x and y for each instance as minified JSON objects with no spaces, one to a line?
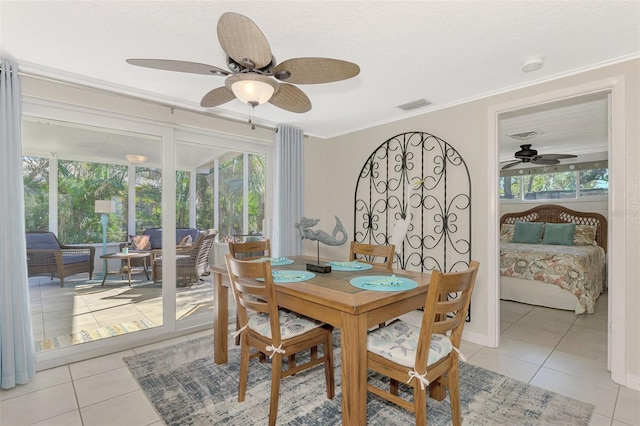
{"x":372,"y":253}
{"x":250,"y":249}
{"x":253,"y":295}
{"x":444,"y":316}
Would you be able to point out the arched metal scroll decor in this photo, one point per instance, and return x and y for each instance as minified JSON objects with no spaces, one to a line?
{"x":389,"y":188}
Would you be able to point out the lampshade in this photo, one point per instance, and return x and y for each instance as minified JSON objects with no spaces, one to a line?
{"x":252,"y":89}
{"x":105,"y":206}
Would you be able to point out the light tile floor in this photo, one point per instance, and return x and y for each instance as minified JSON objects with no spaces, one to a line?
{"x":85,"y":305}
{"x":548,"y":348}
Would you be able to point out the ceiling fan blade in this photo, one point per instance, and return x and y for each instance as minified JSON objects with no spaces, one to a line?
{"x":545,"y":161}
{"x":242,"y":40}
{"x":556,"y":156}
{"x":315,"y":70}
{"x":291,"y":98}
{"x":510,"y":165}
{"x":217,"y":97}
{"x":180,"y":66}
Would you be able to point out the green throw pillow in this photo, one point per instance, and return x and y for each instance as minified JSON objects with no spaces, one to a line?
{"x":559,"y":233}
{"x":527,"y":232}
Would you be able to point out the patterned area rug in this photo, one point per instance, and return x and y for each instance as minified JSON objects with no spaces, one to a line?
{"x":188,"y":388}
{"x":84,"y":336}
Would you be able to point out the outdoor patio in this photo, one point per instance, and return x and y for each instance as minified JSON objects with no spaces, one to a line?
{"x":84,"y":310}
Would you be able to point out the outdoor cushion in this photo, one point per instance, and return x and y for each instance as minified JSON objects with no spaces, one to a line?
{"x":44,"y":241}
{"x":182,"y":233}
{"x":140,"y":242}
{"x":155,"y":236}
{"x":398,"y":342}
{"x":186,"y":241}
{"x":78,"y":258}
{"x":291,"y":324}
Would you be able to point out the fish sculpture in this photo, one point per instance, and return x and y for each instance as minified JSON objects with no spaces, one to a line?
{"x":305,"y":224}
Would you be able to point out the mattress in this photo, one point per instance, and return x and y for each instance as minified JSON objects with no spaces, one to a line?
{"x":580,"y":270}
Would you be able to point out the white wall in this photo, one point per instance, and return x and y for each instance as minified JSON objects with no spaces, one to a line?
{"x":332,"y":168}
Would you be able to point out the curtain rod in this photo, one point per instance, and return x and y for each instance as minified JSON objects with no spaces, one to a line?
{"x":137,"y":98}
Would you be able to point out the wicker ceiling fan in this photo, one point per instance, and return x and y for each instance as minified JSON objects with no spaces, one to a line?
{"x":529,"y":155}
{"x":254,"y":77}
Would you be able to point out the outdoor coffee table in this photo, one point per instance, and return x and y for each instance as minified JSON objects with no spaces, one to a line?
{"x":126,"y":269}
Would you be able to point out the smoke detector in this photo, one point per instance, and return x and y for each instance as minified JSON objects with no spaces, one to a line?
{"x":419,"y":103}
{"x":532,"y":64}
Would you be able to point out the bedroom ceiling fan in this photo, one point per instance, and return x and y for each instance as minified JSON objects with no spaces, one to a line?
{"x":254,"y":76}
{"x":529,"y":155}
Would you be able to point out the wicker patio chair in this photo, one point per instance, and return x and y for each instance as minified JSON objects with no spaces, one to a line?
{"x":192,"y":262}
{"x":46,"y":255}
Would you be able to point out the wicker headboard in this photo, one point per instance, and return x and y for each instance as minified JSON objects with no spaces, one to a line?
{"x":552,"y":213}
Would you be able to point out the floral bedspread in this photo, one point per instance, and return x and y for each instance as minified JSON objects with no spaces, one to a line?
{"x":577,"y":269}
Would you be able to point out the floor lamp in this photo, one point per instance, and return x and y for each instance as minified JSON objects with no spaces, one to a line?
{"x":105,"y":207}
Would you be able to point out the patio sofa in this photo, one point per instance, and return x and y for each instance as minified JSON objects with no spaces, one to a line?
{"x":151,"y":240}
{"x":46,"y":255}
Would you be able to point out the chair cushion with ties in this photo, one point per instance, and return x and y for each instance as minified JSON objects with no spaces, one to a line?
{"x":398,"y":342}
{"x":291,"y":324}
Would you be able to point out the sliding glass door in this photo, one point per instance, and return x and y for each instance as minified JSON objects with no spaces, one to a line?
{"x":155,"y":204}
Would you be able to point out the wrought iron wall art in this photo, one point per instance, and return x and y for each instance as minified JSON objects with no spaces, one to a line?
{"x":387,"y":190}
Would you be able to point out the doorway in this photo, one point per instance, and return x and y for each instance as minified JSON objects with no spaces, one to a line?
{"x":614,"y":87}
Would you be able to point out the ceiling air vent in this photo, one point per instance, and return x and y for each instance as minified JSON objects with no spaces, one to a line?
{"x":414,"y":105}
{"x":523,"y":136}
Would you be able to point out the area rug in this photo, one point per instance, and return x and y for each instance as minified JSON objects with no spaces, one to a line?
{"x":84,"y":336}
{"x":188,"y":388}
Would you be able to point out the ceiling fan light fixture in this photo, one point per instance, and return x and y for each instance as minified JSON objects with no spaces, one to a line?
{"x":135,"y":158}
{"x":252,"y":89}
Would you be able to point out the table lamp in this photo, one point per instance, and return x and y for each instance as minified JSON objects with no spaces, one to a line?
{"x":105,"y":207}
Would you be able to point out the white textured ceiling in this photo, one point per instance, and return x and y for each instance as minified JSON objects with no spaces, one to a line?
{"x":444,"y":51}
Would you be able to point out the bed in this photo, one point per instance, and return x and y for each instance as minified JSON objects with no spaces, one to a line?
{"x":564,"y":269}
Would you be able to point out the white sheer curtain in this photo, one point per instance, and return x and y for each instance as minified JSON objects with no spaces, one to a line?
{"x":289,"y":191}
{"x":17,"y":351}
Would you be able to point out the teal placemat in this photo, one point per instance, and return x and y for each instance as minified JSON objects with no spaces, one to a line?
{"x":290,"y":276}
{"x":383,"y":283}
{"x":350,"y":266}
{"x":275,"y":261}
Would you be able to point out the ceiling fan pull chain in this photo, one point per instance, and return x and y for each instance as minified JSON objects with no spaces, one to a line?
{"x":251,"y":115}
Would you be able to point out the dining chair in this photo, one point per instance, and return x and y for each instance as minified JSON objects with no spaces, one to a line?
{"x":421,"y":355}
{"x":370,"y":253}
{"x":274,"y":332}
{"x":250,"y":249}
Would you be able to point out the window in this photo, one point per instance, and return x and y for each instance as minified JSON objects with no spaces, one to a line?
{"x":80,"y":183}
{"x":205,"y":199}
{"x":256,"y":193}
{"x":35,"y":172}
{"x":594,"y":182}
{"x":552,"y":186}
{"x":242,"y":189}
{"x":549,"y":186}
{"x":510,"y":187}
{"x":148,"y":198}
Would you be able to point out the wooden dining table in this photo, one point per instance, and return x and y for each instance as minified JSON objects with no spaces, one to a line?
{"x":332,"y":299}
